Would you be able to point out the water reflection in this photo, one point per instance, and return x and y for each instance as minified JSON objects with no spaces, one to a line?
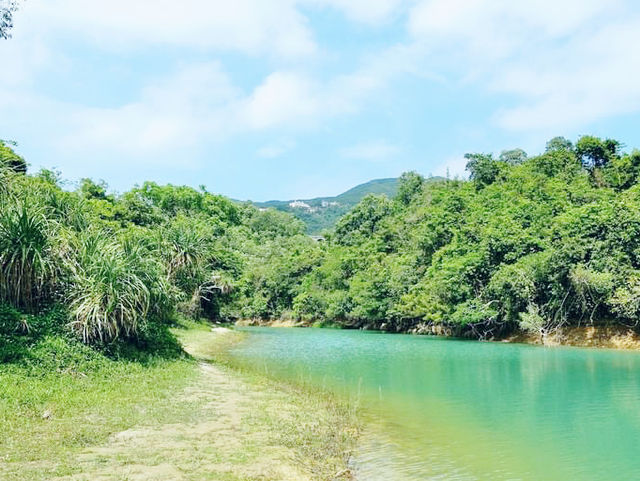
{"x":448,"y":409}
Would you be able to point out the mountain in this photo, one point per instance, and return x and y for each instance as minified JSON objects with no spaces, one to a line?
{"x":322,"y":213}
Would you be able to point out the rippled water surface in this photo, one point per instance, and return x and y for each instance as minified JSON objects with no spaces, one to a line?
{"x":462,"y":410}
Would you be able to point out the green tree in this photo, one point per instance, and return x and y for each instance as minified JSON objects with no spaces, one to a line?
{"x":622,"y":171}
{"x":410,"y":185}
{"x":364,"y":220}
{"x":483,"y":168}
{"x":94,"y":190}
{"x":595,"y":152}
{"x":9,"y":159}
{"x":513,"y":156}
{"x":558,"y":144}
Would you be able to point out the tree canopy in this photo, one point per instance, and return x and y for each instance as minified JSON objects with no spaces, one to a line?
{"x":528,"y":242}
{"x":531,"y":242}
{"x":9,"y":159}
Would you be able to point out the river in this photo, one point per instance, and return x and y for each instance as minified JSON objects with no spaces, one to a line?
{"x":447,"y":409}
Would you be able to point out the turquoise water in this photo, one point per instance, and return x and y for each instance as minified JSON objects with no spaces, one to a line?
{"x":463,"y":410}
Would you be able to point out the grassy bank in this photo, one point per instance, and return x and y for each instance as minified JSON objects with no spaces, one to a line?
{"x":186,"y":417}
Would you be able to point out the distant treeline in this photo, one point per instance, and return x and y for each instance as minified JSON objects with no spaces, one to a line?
{"x":534,"y":242}
{"x":322,"y":213}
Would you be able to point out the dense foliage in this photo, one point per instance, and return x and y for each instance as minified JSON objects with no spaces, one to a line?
{"x":530,"y":242}
{"x":118,"y":267}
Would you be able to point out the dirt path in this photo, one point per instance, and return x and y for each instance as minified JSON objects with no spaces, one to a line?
{"x":232,"y":428}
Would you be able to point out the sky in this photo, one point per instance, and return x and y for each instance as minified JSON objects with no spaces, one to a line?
{"x":286,"y":99}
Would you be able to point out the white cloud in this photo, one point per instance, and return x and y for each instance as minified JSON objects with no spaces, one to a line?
{"x":22,"y":60}
{"x":565,"y":64}
{"x":197,"y":103}
{"x":251,"y":26}
{"x":374,"y":151}
{"x":295,"y":100}
{"x":591,"y":78}
{"x":172,"y":112}
{"x":495,"y":29}
{"x":282,"y":98}
{"x":200,"y":102}
{"x":558,"y":64}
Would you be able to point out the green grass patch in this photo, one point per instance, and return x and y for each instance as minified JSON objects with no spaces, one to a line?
{"x":58,"y":396}
{"x":317,"y":426}
{"x":64,"y":407}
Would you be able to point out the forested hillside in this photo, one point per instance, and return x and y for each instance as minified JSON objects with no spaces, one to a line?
{"x":322,"y":213}
{"x":114,"y":270}
{"x":533,"y":242}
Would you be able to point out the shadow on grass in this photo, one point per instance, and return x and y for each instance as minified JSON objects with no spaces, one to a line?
{"x":43,"y":341}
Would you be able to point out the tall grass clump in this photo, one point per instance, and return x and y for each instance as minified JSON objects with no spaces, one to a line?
{"x":145,"y":257}
{"x":27,"y":261}
{"x":186,"y":247}
{"x":189,"y":255}
{"x":108,"y":298}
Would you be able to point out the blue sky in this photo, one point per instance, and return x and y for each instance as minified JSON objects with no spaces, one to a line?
{"x":286,"y":99}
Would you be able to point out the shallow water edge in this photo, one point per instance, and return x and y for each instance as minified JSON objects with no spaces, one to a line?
{"x":613,"y":336}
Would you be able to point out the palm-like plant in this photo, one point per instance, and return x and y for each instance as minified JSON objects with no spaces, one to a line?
{"x":147,"y":263}
{"x":108,"y":298}
{"x":186,"y":251}
{"x":26,"y":263}
{"x":189,"y":256}
{"x":5,"y":178}
{"x":186,"y":248}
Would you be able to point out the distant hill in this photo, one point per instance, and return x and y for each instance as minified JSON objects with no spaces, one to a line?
{"x":322,"y":213}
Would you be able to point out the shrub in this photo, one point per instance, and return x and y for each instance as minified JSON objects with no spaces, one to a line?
{"x":108,"y":298}
{"x":592,"y":288}
{"x":27,"y":266}
{"x":625,"y":301}
{"x":532,"y":321}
